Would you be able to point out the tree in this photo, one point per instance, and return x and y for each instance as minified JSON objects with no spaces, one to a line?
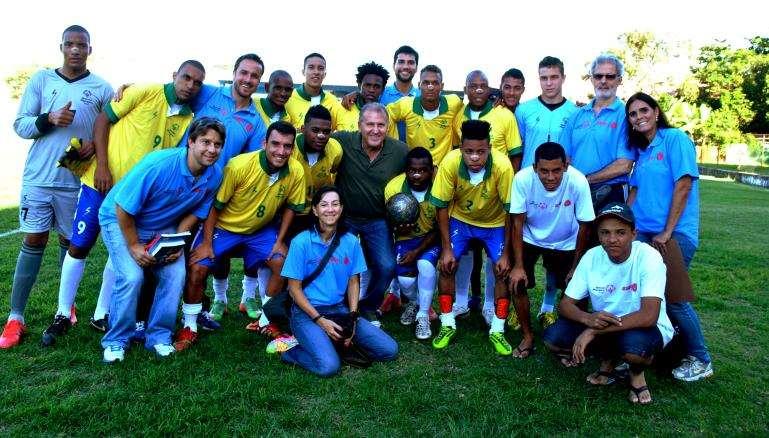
{"x":18,"y":81}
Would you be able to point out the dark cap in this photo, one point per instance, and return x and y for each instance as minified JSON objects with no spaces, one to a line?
{"x":619,"y":210}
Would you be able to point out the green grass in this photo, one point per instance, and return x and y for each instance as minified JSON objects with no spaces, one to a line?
{"x":760,"y":170}
{"x":227,"y":385}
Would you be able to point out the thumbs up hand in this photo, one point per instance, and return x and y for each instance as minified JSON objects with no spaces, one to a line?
{"x":63,"y":117}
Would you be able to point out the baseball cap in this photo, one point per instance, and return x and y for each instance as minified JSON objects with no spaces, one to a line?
{"x":618,"y":210}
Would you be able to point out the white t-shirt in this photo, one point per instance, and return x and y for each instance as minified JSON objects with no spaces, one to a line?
{"x":617,"y":288}
{"x":551,"y":217}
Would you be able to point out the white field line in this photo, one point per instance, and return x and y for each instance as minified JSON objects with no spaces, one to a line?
{"x":9,"y":233}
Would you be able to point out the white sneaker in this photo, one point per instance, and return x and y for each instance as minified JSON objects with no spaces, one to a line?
{"x":409,"y":313}
{"x":460,"y":311}
{"x":423,"y":328}
{"x":693,"y":369}
{"x":164,"y":350}
{"x":113,"y":354}
{"x":488,"y":316}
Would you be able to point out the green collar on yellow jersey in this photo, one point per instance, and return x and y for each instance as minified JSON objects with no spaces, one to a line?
{"x":300,"y":144}
{"x":283,"y":171}
{"x":406,"y":188}
{"x":464,"y":172}
{"x":170,"y":93}
{"x":268,"y":108}
{"x":443,"y":106}
{"x":303,"y":94}
{"x":485,"y":110}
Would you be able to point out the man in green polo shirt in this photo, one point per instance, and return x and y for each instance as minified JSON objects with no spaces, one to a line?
{"x":369,"y":160}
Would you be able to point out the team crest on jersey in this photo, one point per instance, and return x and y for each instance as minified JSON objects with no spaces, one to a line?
{"x":484,"y":193}
{"x":281,"y":192}
{"x":632,"y":287}
{"x":173,"y":130}
{"x":88,"y":98}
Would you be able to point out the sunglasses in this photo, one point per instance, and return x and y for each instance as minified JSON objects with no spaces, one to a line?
{"x":609,"y":77}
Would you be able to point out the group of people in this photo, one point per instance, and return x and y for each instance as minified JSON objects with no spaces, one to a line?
{"x":296,"y":184}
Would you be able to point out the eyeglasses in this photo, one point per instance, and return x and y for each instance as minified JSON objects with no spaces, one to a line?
{"x":609,"y":77}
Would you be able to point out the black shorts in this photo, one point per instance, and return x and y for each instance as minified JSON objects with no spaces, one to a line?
{"x":555,"y":261}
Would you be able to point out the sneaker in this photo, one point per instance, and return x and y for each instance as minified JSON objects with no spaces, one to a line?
{"x":113,"y":354}
{"x":500,"y":344}
{"x":444,"y":337}
{"x":184,"y":339}
{"x":163,"y":350}
{"x":488,"y":316}
{"x":218,"y":309}
{"x":100,"y":325}
{"x":423,"y":328}
{"x":391,"y":302}
{"x":206,"y":322}
{"x":474,"y":303}
{"x":460,"y":312}
{"x":373,"y":318}
{"x":512,"y":320}
{"x":432,"y":314}
{"x":409,"y":314}
{"x":251,"y":307}
{"x":139,"y":333}
{"x":281,"y":344}
{"x":693,"y":369}
{"x":12,"y":333}
{"x":546,"y":319}
{"x":73,"y":315}
{"x":59,"y":327}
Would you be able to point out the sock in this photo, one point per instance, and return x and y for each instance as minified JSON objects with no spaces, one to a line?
{"x":220,"y":289}
{"x":445,"y":303}
{"x":15,"y":317}
{"x":263,"y":274}
{"x":71,"y":274}
{"x":27,"y":268}
{"x":502,"y":308}
{"x":462,"y":279}
{"x":491,"y":281}
{"x":105,"y":293}
{"x":263,"y":321}
{"x":249,"y":288}
{"x":408,"y":287}
{"x":425,"y":286}
{"x":395,"y":289}
{"x":447,"y":319}
{"x":551,"y":291}
{"x":365,"y":278}
{"x":63,"y":251}
{"x":497,"y":325}
{"x":191,"y":312}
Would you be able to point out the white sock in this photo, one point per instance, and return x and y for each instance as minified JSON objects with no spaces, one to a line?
{"x":408,"y":287}
{"x":263,"y":321}
{"x":263,"y":274}
{"x":220,"y":289}
{"x":105,"y":293}
{"x":462,"y":279}
{"x":191,"y":312}
{"x":365,"y":277}
{"x":249,"y":288}
{"x":16,"y":317}
{"x":491,"y":281}
{"x":447,"y":319}
{"x":395,"y":288}
{"x":497,"y":325}
{"x":425,"y":286}
{"x":71,"y":274}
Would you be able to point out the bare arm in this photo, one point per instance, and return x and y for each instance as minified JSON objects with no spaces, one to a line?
{"x":102,"y":177}
{"x":518,"y":273}
{"x":515,"y":160}
{"x":205,"y":249}
{"x":620,"y":166}
{"x":583,"y":237}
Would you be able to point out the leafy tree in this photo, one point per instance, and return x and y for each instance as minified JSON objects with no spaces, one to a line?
{"x":18,"y":80}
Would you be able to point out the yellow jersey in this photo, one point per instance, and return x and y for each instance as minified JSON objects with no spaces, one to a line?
{"x":323,"y":171}
{"x":348,"y":118}
{"x":268,"y":112}
{"x":504,"y":133}
{"x":300,"y":102}
{"x":427,"y":217}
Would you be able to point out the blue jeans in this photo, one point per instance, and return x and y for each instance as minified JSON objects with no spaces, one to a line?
{"x":316,"y":352}
{"x":682,"y":315}
{"x":128,"y":282}
{"x":644,"y":342}
{"x":377,"y":242}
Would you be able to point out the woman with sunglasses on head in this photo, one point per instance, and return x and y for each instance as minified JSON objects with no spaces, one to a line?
{"x":664,"y":196}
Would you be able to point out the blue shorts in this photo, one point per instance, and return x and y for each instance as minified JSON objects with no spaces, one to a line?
{"x":644,"y":342}
{"x":85,"y":226}
{"x":403,"y":246}
{"x":254,"y":248}
{"x":461,"y":234}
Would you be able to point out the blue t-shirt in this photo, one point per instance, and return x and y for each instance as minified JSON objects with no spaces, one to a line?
{"x":669,"y":157}
{"x":593,"y":142}
{"x":160,"y":190}
{"x":539,"y":124}
{"x":391,"y":94}
{"x":304,"y":254}
{"x":245,"y":129}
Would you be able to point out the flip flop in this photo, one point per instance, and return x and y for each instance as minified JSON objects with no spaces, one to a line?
{"x":637,"y":392}
{"x":566,"y":360}
{"x":523,"y":353}
{"x":610,"y":378}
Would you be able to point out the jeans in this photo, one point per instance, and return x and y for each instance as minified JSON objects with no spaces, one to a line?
{"x":682,"y":315}
{"x":377,"y":242}
{"x":644,"y":342}
{"x":316,"y":352}
{"x":129,"y":277}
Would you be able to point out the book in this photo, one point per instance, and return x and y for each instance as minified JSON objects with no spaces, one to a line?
{"x":164,"y":245}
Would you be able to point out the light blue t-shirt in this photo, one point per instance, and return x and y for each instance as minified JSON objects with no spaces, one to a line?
{"x":539,"y":124}
{"x":245,"y":129}
{"x":593,"y":142}
{"x":392,"y":94}
{"x":160,"y":190}
{"x":304,"y":254}
{"x":669,"y":157}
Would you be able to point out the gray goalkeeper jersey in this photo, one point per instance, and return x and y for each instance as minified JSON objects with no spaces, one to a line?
{"x":48,"y":91}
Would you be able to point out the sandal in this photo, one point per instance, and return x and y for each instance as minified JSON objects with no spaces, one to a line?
{"x":610,"y":378}
{"x":523,"y":353}
{"x":566,"y":360}
{"x":637,"y":392}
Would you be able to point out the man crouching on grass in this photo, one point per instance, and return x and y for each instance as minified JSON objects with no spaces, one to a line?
{"x":625,"y":281}
{"x":167,"y":192}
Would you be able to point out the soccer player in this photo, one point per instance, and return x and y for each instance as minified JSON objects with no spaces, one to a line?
{"x":541,"y":120}
{"x":430,"y":117}
{"x":255,"y":187}
{"x":371,"y":79}
{"x":472,"y":194}
{"x":57,"y":105}
{"x":405,"y":64}
{"x":147,"y":118}
{"x":311,"y":92}
{"x":279,"y":89}
{"x":416,"y":246}
{"x":552,"y":213}
{"x":595,"y":137}
{"x":167,"y":192}
{"x":625,"y":281}
{"x":511,"y":89}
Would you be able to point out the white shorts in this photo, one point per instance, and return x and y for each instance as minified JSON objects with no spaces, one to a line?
{"x":43,"y":208}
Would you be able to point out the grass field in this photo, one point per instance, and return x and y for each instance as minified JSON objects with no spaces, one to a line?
{"x":226,"y":385}
{"x":760,"y":170}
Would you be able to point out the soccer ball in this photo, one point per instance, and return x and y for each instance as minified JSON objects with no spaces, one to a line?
{"x":402,"y":209}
